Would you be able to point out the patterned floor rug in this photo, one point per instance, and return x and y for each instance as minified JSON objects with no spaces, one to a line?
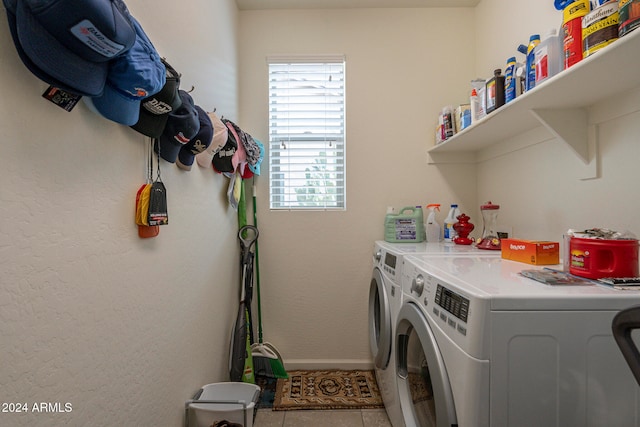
{"x":333,"y":389}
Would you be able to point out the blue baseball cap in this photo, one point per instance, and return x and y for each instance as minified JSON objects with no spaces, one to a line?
{"x":182,"y":125}
{"x":90,"y":88}
{"x":198,"y":143}
{"x":69,"y":46}
{"x":132,"y":77}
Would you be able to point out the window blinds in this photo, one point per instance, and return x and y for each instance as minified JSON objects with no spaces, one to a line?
{"x":306,"y":133}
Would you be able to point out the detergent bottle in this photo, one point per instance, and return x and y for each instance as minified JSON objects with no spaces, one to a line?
{"x":548,"y":57}
{"x":404,"y":227}
{"x":449,"y":232}
{"x":432,"y":226}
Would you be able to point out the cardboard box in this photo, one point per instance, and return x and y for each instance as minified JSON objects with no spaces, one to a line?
{"x":531,"y":251}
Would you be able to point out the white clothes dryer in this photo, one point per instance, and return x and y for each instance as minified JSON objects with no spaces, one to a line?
{"x":385,"y":301}
{"x":477,"y":345}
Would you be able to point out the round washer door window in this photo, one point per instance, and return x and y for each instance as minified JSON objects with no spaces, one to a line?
{"x":379,"y":321}
{"x":423,"y":384}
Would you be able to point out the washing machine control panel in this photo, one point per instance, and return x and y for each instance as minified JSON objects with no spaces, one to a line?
{"x":390,"y":261}
{"x":452,"y":302}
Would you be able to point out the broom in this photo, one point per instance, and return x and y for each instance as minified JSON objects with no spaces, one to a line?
{"x":266,"y":358}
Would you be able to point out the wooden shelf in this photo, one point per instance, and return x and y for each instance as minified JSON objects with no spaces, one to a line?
{"x":558,"y":104}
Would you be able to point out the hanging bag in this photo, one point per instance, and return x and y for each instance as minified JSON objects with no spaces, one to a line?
{"x":157,"y":213}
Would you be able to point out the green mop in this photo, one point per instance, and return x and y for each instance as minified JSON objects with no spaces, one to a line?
{"x":266,"y":358}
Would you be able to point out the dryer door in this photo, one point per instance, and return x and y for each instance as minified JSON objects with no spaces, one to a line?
{"x":423,"y":384}
{"x":380,"y":332}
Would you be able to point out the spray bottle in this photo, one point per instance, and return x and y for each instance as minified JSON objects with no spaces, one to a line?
{"x":432,"y":226}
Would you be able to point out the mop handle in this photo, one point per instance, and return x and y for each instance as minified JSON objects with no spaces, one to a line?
{"x":257,"y":263}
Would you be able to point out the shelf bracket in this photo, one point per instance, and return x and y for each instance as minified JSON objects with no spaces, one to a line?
{"x":570,"y":125}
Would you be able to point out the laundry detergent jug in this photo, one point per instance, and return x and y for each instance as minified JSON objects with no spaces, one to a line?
{"x":404,"y":227}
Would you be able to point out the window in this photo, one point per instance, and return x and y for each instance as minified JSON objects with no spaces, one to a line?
{"x":306,"y":133}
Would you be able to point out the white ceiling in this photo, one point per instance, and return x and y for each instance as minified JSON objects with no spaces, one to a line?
{"x":349,"y":4}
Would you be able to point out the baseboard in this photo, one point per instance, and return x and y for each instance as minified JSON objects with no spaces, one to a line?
{"x":306,"y":364}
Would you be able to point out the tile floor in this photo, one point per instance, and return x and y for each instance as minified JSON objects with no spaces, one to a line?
{"x":306,"y":418}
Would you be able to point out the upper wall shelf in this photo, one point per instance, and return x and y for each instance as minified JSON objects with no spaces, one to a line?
{"x":559,"y":104}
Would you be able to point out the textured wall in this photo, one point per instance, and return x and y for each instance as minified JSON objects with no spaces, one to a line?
{"x":122,"y":329}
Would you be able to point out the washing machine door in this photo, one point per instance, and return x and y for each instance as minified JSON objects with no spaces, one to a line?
{"x":423,"y":384}
{"x":380,"y":332}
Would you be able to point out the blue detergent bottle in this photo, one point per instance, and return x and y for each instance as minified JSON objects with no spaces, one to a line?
{"x":530,"y":77}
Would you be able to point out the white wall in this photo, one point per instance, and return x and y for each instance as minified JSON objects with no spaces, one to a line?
{"x":402,"y":67}
{"x":539,"y":188}
{"x":123,"y":329}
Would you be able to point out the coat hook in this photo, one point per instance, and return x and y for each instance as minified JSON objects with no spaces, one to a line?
{"x":191,"y":90}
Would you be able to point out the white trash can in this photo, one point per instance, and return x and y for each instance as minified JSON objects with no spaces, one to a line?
{"x":234,"y":402}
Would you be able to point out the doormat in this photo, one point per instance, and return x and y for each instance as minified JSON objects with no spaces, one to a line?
{"x":333,"y":389}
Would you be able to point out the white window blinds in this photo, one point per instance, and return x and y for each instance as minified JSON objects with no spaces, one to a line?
{"x":306,"y":133}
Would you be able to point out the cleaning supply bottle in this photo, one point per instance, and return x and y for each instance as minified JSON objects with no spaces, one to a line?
{"x":447,"y":121}
{"x":432,"y":226}
{"x":474,"y":103}
{"x":510,"y":80}
{"x":495,"y":91}
{"x":548,"y":57}
{"x":530,"y":76}
{"x":480,"y":86}
{"x":452,"y":218}
{"x":572,"y":15}
{"x":407,"y":226}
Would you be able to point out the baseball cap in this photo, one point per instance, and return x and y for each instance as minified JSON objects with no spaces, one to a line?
{"x":251,"y":149}
{"x":69,"y":46}
{"x":240,"y":156}
{"x":198,"y":143}
{"x":219,"y":140}
{"x":91,"y":87}
{"x":182,"y":125}
{"x":255,"y":168}
{"x":154,"y":110}
{"x":222,"y":160}
{"x":132,"y":77}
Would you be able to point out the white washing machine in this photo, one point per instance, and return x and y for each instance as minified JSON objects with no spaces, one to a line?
{"x":385,"y":301}
{"x":479,"y":345}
